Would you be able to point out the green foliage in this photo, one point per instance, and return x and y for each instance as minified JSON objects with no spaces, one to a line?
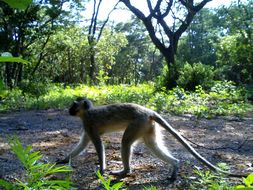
{"x":18,"y":4}
{"x":3,"y":90}
{"x":107,"y":183}
{"x":235,"y":58}
{"x":34,"y":88}
{"x":235,"y":49}
{"x":107,"y":49}
{"x":195,"y":75}
{"x":223,"y":99}
{"x":139,"y":61}
{"x":150,"y":188}
{"x":67,"y":57}
{"x":58,"y":50}
{"x":198,"y":45}
{"x":248,"y":181}
{"x":36,"y":173}
{"x":162,"y":79}
{"x":4,"y":59}
{"x":108,"y":186}
{"x":212,"y":181}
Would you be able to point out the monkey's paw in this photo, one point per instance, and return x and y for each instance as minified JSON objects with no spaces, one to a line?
{"x":173,"y":176}
{"x":120,"y":173}
{"x":62,"y":161}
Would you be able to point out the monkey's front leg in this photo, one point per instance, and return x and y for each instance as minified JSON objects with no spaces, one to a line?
{"x":83,"y":142}
{"x":100,"y":150}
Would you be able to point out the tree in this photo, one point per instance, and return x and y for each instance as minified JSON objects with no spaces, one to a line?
{"x":198,"y":45}
{"x":140,"y":60}
{"x":66,"y":56}
{"x":19,"y":29}
{"x":235,"y":50}
{"x":94,"y":34}
{"x":159,"y":11}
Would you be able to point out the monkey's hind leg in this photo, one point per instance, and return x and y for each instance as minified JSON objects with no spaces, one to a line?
{"x":130,"y":136}
{"x":154,"y":141}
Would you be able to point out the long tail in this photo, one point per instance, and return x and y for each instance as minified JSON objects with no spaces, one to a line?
{"x":156,"y":117}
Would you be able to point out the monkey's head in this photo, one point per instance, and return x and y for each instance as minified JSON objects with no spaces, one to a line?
{"x":80,"y":106}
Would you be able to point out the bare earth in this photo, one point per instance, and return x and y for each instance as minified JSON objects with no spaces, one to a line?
{"x":53,"y":132}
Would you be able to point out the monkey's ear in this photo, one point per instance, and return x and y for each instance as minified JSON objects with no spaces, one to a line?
{"x":80,"y":99}
{"x":86,"y":104}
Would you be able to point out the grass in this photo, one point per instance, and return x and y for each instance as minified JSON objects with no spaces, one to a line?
{"x":220,"y":100}
{"x":207,"y":180}
{"x":36,"y":174}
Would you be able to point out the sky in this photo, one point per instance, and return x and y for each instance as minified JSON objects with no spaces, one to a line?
{"x":124,"y":15}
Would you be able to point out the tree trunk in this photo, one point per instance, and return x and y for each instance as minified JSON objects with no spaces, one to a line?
{"x":172,"y":76}
{"x":8,"y":75}
{"x":82,"y":71}
{"x":92,"y":67}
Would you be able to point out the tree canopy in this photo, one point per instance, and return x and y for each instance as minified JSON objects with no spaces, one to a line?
{"x":172,"y":40}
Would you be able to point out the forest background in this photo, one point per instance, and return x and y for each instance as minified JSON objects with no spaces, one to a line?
{"x":206,"y":51}
{"x":178,"y":57}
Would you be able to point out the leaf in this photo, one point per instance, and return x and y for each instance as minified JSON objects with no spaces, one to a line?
{"x":249,"y":180}
{"x":60,"y":169}
{"x":7,"y":185}
{"x":105,"y":183}
{"x":18,"y":4}
{"x":241,"y":187}
{"x":13,"y":59}
{"x":117,"y":185}
{"x":57,"y":184}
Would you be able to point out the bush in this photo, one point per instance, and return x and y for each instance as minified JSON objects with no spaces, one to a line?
{"x":216,"y":181}
{"x":34,"y":88}
{"x":107,"y":183}
{"x":36,"y":173}
{"x":195,"y":75}
{"x":223,"y":99}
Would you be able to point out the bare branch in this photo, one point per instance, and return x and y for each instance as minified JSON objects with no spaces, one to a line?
{"x":201,"y":5}
{"x":158,"y":5}
{"x":106,"y":20}
{"x":96,"y":16}
{"x":147,"y":21}
{"x":149,"y":6}
{"x":192,"y":10}
{"x":92,"y":20}
{"x":158,"y":14}
{"x":136,"y":11}
{"x":169,"y":5}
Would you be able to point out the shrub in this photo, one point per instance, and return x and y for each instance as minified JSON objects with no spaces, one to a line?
{"x":36,"y":173}
{"x":34,"y":88}
{"x":107,"y":183}
{"x":216,"y":181}
{"x":195,"y":75}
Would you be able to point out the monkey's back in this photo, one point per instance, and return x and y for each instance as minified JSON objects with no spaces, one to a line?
{"x":116,"y":116}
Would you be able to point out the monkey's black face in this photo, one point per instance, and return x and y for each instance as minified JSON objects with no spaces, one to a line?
{"x":79,"y":107}
{"x":74,"y":108}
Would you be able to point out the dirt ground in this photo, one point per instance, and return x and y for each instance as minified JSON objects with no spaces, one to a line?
{"x":54,"y":132}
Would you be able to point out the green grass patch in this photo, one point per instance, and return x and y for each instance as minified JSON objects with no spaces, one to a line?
{"x":222,"y":99}
{"x":36,"y":174}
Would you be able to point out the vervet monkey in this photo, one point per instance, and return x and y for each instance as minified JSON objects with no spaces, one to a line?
{"x":137,"y":122}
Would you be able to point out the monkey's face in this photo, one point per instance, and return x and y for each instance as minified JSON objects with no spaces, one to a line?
{"x":79,"y":107}
{"x":75,"y":108}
